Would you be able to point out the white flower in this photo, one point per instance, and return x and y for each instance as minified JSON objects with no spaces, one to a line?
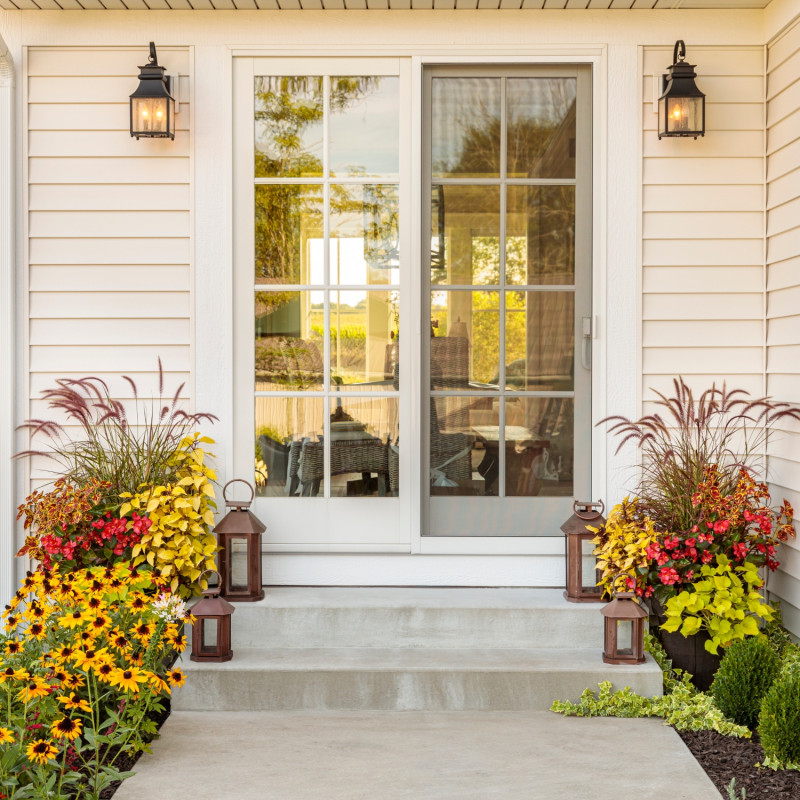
{"x":169,"y":607}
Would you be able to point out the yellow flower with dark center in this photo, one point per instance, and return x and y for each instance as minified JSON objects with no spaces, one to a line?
{"x":90,"y":658}
{"x":36,"y":611}
{"x":65,"y":653}
{"x":72,"y":702}
{"x":100,"y":623}
{"x":6,"y":736}
{"x":128,"y":678}
{"x":176,"y":678}
{"x":159,"y":684}
{"x":36,"y":687}
{"x":143,"y":630}
{"x":119,"y":641}
{"x":60,"y":675}
{"x":66,"y":728}
{"x":11,"y":624}
{"x":178,"y":641}
{"x":74,"y":681}
{"x":13,"y":647}
{"x":41,"y":751}
{"x":103,"y":672}
{"x":78,"y":617}
{"x":95,"y":603}
{"x":37,"y":630}
{"x":137,"y":603}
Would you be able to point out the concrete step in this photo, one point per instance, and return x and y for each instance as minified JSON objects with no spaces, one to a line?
{"x":402,"y":679}
{"x":309,"y":617}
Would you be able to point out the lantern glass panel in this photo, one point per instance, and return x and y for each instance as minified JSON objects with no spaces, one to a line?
{"x":208,"y":636}
{"x":237,"y":576}
{"x":625,"y":637}
{"x":150,"y":114}
{"x":685,"y":114}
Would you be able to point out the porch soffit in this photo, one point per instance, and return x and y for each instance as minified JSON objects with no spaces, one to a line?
{"x":339,"y":5}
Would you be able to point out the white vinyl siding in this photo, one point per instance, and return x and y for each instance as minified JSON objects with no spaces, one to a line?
{"x":109,"y":226}
{"x":783,"y":293}
{"x":703,"y":229}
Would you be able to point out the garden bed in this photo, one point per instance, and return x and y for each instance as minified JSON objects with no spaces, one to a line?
{"x":726,"y":757}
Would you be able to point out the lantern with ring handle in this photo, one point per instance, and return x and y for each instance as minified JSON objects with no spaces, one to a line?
{"x":239,"y":535}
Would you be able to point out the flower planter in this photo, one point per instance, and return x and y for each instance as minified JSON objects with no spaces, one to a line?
{"x":686,"y":652}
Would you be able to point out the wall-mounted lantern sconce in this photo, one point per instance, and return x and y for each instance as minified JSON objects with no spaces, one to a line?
{"x":682,"y":106}
{"x":152,"y":104}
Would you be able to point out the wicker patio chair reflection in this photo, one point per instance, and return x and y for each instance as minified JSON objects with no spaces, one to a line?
{"x":364,"y":456}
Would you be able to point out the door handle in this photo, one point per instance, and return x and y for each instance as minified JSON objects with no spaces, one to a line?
{"x":586,"y":360}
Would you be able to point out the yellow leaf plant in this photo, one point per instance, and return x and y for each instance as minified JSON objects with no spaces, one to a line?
{"x":621,"y":547}
{"x":179,"y":545}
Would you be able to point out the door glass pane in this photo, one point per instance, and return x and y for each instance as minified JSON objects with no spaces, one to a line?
{"x":284,"y":425}
{"x":365,"y":447}
{"x":289,"y":234}
{"x":540,"y":341}
{"x":463,"y":460}
{"x":364,"y":126}
{"x":289,"y":341}
{"x":539,"y":446}
{"x":465,"y":226}
{"x":465,"y":347}
{"x":540,"y":235}
{"x":365,"y":242}
{"x":288,"y":127}
{"x":541,"y":127}
{"x":363,"y":335}
{"x":465,"y":127}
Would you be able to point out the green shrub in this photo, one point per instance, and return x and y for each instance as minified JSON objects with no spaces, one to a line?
{"x":749,"y":667}
{"x":779,"y":723}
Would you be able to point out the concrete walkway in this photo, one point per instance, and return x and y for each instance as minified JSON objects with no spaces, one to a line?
{"x":507,"y":755}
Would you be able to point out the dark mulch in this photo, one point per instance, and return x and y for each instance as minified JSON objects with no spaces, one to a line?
{"x":725,"y":757}
{"x":125,"y":762}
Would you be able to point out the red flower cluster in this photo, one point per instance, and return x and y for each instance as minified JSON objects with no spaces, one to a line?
{"x":73,"y":527}
{"x":739,"y":524}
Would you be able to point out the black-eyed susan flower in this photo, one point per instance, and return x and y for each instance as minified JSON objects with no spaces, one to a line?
{"x":66,"y":728}
{"x":159,"y":685}
{"x":73,"y":703}
{"x":6,"y":736}
{"x":80,"y":616}
{"x":90,"y":658}
{"x":41,"y":751}
{"x":13,"y":648}
{"x":37,"y":631}
{"x":176,"y":678}
{"x":100,"y":623}
{"x":144,"y":630}
{"x":7,"y":674}
{"x":34,"y":688}
{"x":74,"y":681}
{"x":128,"y":679}
{"x":103,"y":672}
{"x":119,"y":641}
{"x":137,"y":603}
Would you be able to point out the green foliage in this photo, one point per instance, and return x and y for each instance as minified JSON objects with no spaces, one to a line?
{"x":779,"y":722}
{"x":748,"y":669}
{"x":682,"y":706}
{"x":684,"y":709}
{"x":724,"y":602}
{"x":732,"y":794}
{"x":777,"y":636}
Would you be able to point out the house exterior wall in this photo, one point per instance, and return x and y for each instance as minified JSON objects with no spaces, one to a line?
{"x":126,"y":247}
{"x":783,"y":291}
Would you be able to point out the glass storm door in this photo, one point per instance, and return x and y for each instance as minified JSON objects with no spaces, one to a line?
{"x":507,"y":319}
{"x":318,"y":160}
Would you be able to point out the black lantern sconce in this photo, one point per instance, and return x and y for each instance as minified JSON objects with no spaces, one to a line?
{"x":682,"y":106}
{"x":211,"y":629}
{"x":239,"y":533}
{"x":623,"y":640}
{"x":152,"y":104}
{"x":576,"y":537}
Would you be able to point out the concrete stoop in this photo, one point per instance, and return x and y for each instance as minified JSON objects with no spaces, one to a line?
{"x":408,"y":649}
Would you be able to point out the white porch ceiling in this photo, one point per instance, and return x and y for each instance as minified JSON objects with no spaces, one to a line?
{"x":295,"y":5}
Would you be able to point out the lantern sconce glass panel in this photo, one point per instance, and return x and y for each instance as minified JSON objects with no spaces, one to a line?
{"x":152,"y":104}
{"x":682,"y":106}
{"x":239,"y":534}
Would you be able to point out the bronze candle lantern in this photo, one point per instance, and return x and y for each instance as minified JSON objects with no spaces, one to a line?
{"x":239,"y":534}
{"x":211,"y":629}
{"x":575,"y":534}
{"x":623,"y":642}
